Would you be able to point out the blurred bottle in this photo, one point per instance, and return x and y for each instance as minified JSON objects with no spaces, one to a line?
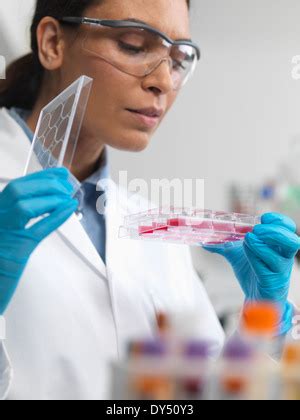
{"x":194,"y":372}
{"x":243,"y":199}
{"x":234,"y":371}
{"x":266,"y":201}
{"x":245,"y":371}
{"x":149,"y":371}
{"x":291,"y":372}
{"x":259,"y":326}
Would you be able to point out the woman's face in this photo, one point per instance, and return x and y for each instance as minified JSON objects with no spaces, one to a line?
{"x":114,"y":92}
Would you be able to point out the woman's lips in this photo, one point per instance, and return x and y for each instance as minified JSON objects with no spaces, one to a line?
{"x":148,"y":117}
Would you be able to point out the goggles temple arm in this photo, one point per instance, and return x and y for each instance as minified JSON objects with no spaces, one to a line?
{"x":127,"y":24}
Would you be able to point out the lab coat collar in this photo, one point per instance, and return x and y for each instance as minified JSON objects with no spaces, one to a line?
{"x":14,"y":148}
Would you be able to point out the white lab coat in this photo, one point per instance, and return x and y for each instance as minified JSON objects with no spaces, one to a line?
{"x":72,"y":315}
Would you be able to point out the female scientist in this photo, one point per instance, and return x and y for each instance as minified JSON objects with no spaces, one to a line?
{"x":73,"y":294}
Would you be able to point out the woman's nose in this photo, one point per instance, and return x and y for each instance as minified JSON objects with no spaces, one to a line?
{"x":160,"y":79}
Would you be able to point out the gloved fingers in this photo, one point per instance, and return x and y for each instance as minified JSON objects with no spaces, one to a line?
{"x":19,"y":191}
{"x":214,"y":249}
{"x":279,"y":220}
{"x":56,"y":219}
{"x":282,"y":240}
{"x":262,"y":258}
{"x":223,"y":249}
{"x":51,"y":173}
{"x":25,"y":210}
{"x":25,"y":188}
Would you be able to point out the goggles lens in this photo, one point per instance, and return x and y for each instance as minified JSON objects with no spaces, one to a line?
{"x":139,"y":52}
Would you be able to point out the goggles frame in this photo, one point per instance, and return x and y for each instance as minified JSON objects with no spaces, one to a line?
{"x":128,"y":24}
{"x":124,"y":24}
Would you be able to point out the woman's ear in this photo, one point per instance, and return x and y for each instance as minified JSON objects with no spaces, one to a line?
{"x":50,"y":43}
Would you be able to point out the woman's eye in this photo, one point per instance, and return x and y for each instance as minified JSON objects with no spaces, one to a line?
{"x":130,"y":48}
{"x":178,"y":65}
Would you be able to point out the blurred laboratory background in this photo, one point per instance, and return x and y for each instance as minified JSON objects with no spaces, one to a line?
{"x":236,"y":125}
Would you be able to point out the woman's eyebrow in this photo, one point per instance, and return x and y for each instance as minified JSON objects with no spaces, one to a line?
{"x":145,"y":23}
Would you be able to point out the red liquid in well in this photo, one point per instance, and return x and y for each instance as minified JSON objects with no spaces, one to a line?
{"x":173,"y":222}
{"x":151,"y":229}
{"x":243,"y":229}
{"x":176,"y":222}
{"x":205,"y":225}
{"x":145,"y":229}
{"x":223,"y":227}
{"x":159,"y":226}
{"x":202,"y":231}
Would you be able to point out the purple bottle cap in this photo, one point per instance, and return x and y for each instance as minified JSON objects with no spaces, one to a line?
{"x":153,"y":348}
{"x":237,"y":349}
{"x":197,"y":349}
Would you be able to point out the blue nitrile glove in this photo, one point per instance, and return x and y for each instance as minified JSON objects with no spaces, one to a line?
{"x":263,"y":263}
{"x":46,"y":194}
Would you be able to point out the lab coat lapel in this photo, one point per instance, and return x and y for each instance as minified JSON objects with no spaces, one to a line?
{"x":15,"y":147}
{"x":73,"y":233}
{"x":124,"y":263}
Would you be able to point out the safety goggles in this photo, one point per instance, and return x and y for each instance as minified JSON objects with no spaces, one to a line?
{"x":138,"y":49}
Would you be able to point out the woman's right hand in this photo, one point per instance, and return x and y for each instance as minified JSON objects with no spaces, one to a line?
{"x":46,"y":195}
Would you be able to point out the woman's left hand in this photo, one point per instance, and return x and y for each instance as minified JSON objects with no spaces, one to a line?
{"x":263,"y":263}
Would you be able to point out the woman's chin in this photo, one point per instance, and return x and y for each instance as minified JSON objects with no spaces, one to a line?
{"x":134,"y":144}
